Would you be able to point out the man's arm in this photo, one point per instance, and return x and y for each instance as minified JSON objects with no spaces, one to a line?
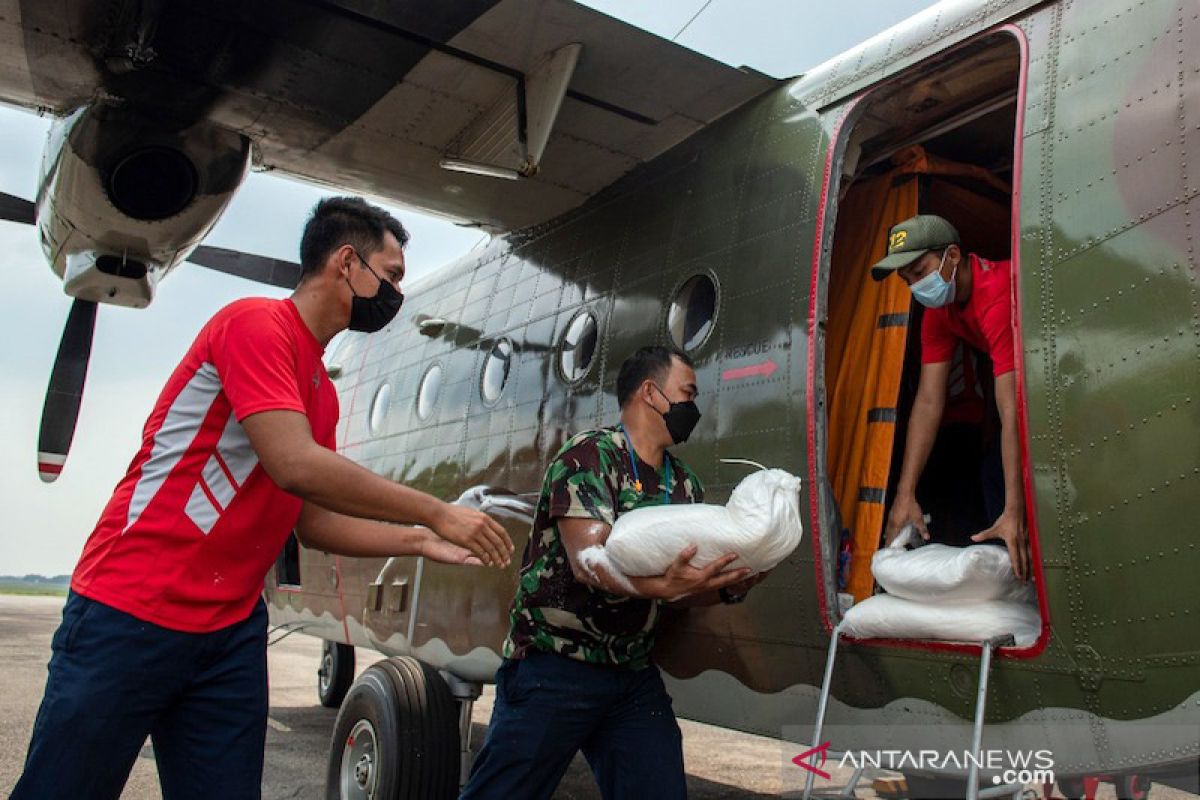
{"x":1010,"y":527}
{"x":922,"y":431}
{"x":298,"y":465}
{"x":322,"y":529}
{"x":583,"y":540}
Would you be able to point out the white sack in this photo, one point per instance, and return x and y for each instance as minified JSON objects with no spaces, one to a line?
{"x":761,"y":523}
{"x":939,"y":573}
{"x":885,"y":616}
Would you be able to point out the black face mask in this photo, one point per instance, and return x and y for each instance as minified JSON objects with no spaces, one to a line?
{"x":370,"y":314}
{"x":681,"y":418}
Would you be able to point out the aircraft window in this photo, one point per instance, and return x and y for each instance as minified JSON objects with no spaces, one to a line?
{"x":379,"y":407}
{"x":427,"y":395}
{"x":495,"y":371}
{"x":578,"y":347}
{"x":693,"y":312}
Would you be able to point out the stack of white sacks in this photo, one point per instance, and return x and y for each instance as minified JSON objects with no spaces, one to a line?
{"x":761,"y":523}
{"x":964,"y":594}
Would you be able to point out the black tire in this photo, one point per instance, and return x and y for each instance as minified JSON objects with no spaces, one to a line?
{"x":1133,"y":787}
{"x":1072,"y":788}
{"x":335,"y":674}
{"x":397,"y":732}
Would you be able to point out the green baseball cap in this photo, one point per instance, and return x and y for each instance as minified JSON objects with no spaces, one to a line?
{"x":911,"y":239}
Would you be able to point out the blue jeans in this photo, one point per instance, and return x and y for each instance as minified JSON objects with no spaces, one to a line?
{"x":548,"y":707}
{"x":114,"y":680}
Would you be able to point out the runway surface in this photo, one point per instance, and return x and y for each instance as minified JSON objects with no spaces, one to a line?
{"x":721,"y":763}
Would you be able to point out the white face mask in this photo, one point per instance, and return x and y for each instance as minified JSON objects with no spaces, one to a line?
{"x":934,"y":291}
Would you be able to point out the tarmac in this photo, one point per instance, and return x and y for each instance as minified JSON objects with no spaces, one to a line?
{"x":721,"y":764}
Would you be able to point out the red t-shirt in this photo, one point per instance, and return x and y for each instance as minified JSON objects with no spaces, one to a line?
{"x":985,"y":322}
{"x":964,"y":394}
{"x":195,"y":524}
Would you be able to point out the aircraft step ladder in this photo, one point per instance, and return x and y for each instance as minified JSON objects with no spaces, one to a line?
{"x":973,"y":791}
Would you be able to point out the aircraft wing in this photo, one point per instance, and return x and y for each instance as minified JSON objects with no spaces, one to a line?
{"x":557,"y":99}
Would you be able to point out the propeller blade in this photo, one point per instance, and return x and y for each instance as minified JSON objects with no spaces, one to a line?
{"x":61,"y":411}
{"x":272,"y":271}
{"x":17,"y":209}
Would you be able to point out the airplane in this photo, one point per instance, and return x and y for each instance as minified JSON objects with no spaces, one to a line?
{"x":640,"y":192}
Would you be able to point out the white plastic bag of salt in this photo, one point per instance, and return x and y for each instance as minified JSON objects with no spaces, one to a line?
{"x":761,"y":523}
{"x":961,"y":594}
{"x":938,"y":572}
{"x":889,"y":617}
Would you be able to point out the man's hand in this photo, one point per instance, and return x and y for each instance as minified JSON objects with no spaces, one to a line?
{"x":474,"y":531}
{"x":744,"y":586}
{"x":331,"y":532}
{"x":1010,"y":528}
{"x":443,"y":552}
{"x":713,"y":598}
{"x":1011,"y":525}
{"x":905,"y":509}
{"x":682,"y":579}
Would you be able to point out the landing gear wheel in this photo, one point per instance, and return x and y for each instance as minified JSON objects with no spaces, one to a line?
{"x":1133,"y":787}
{"x":1072,"y":788}
{"x":335,"y":674}
{"x":396,"y":736}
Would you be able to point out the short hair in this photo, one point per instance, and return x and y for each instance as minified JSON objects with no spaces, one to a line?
{"x":650,"y":362}
{"x":336,"y":221}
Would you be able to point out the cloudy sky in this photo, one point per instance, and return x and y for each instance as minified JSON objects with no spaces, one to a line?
{"x":134,"y":351}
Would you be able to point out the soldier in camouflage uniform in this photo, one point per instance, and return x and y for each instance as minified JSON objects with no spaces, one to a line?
{"x":577,"y":673}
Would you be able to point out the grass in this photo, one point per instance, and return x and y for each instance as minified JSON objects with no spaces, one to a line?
{"x":27,"y":589}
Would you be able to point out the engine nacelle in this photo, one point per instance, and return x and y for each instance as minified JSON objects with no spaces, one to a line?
{"x":123,"y":199}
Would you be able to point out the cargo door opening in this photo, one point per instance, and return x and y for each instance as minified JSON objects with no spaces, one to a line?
{"x":938,"y":140}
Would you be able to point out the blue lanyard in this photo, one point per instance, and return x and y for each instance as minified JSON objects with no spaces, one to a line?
{"x":637,"y":481}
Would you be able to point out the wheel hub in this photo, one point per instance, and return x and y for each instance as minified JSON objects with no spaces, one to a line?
{"x":359,"y":773}
{"x":325,"y":672}
{"x":362,"y":770}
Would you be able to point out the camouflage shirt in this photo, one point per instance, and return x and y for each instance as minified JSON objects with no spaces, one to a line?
{"x":590,"y":478}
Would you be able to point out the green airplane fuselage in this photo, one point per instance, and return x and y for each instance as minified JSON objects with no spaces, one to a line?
{"x":1105,"y":172}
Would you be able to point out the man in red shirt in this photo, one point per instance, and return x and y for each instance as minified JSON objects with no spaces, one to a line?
{"x":164,"y":631}
{"x":967,"y":299}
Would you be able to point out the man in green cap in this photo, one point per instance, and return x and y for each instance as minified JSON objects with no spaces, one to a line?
{"x":967,"y":299}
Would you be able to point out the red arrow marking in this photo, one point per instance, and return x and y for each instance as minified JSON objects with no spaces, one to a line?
{"x":800,"y":760}
{"x":764,"y":370}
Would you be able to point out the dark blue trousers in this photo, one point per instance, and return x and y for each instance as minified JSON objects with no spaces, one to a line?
{"x":114,"y":680}
{"x":549,"y":707}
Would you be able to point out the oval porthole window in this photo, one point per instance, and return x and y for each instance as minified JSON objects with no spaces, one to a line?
{"x":578,"y":347}
{"x":427,"y":395}
{"x":495,"y":371}
{"x":693,"y":312}
{"x":379,"y":407}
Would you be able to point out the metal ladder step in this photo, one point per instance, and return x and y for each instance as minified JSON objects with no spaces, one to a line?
{"x":973,"y":791}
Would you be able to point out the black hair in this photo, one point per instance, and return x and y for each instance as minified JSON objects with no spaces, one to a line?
{"x":345,"y":220}
{"x":650,"y":362}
